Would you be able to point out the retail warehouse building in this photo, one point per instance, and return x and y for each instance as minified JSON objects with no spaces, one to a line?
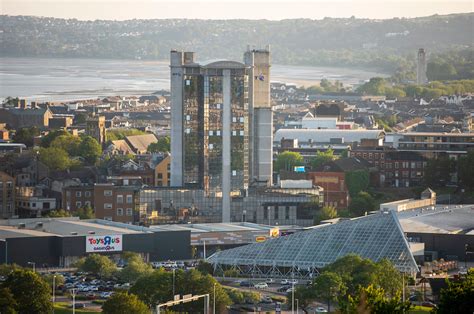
{"x":51,"y":242}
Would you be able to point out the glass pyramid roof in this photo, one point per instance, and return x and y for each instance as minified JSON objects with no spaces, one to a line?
{"x":375,"y":237}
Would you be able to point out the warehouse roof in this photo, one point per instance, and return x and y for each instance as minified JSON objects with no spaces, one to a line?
{"x":441,"y":219}
{"x":66,"y":226}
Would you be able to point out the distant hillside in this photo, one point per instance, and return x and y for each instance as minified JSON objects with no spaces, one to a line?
{"x":381,"y":44}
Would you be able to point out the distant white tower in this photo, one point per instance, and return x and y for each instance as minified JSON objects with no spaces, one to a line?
{"x":421,"y":78}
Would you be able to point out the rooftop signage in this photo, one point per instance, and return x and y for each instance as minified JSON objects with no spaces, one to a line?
{"x":107,"y":243}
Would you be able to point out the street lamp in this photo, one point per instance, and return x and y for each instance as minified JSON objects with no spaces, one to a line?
{"x":174,"y":270}
{"x":214,"y":301}
{"x":73,"y":293}
{"x":54,"y":290}
{"x":33,"y":265}
{"x":297,"y":306}
{"x":293,"y":297}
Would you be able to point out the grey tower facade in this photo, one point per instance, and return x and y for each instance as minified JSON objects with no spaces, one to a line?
{"x":212,"y":124}
{"x":260,"y":116}
{"x":421,"y":78}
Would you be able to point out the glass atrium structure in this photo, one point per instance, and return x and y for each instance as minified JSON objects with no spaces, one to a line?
{"x":302,"y":254}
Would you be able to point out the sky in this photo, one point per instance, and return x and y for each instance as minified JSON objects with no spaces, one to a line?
{"x":232,"y":9}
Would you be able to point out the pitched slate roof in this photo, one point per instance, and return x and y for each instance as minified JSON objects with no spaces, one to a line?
{"x":140,"y":143}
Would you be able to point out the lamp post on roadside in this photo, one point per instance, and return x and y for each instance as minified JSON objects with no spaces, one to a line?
{"x":293,"y":297}
{"x":33,"y":264}
{"x":214,"y":299}
{"x":54,"y":290}
{"x":297,"y":306}
{"x":174,"y":270}
{"x":73,"y":293}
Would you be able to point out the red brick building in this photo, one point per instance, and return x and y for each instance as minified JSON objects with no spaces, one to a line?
{"x":332,"y":178}
{"x":394,"y":168}
{"x":118,"y":200}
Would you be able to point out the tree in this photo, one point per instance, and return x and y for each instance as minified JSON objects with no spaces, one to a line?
{"x":8,"y":303}
{"x":375,"y":86}
{"x":67,"y":142}
{"x":466,"y":170}
{"x":7,"y":269}
{"x":288,"y":160}
{"x":58,"y":281}
{"x":124,"y":303}
{"x":135,"y":269}
{"x":438,"y":171}
{"x":30,"y":291}
{"x":357,"y":181}
{"x":51,"y":136}
{"x":373,"y":300}
{"x":205,"y":267}
{"x":388,"y":278}
{"x":304,"y":295}
{"x":458,"y":297}
{"x":98,"y":265}
{"x":26,"y":136}
{"x":161,"y":146}
{"x":354,"y":270}
{"x":85,"y":212}
{"x":155,"y":288}
{"x":328,"y":286}
{"x":240,"y":296}
{"x":57,"y":213}
{"x":394,"y":92}
{"x":90,"y":150}
{"x":362,"y":203}
{"x":327,"y":212}
{"x":322,"y":158}
{"x":158,"y":288}
{"x":55,"y":158}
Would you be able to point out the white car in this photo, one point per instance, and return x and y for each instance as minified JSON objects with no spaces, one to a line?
{"x":105,"y":295}
{"x":293,"y":281}
{"x":321,"y":310}
{"x":261,"y":285}
{"x":284,"y":282}
{"x":269,"y":280}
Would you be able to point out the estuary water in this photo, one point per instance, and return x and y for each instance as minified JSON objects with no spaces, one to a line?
{"x":57,"y":79}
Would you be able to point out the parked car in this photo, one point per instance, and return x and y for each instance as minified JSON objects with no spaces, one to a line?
{"x":269,"y":280}
{"x":91,"y":296}
{"x":428,"y":304}
{"x":283,"y":288}
{"x":284,"y":282}
{"x":321,"y":309}
{"x":78,"y":306}
{"x":247,"y":284}
{"x":293,"y":281}
{"x":292,"y":289}
{"x":261,"y":285}
{"x":105,"y":295}
{"x":266,"y":299}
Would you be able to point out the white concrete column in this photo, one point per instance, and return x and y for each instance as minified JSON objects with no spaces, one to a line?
{"x":226,"y":145}
{"x":176,"y":119}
